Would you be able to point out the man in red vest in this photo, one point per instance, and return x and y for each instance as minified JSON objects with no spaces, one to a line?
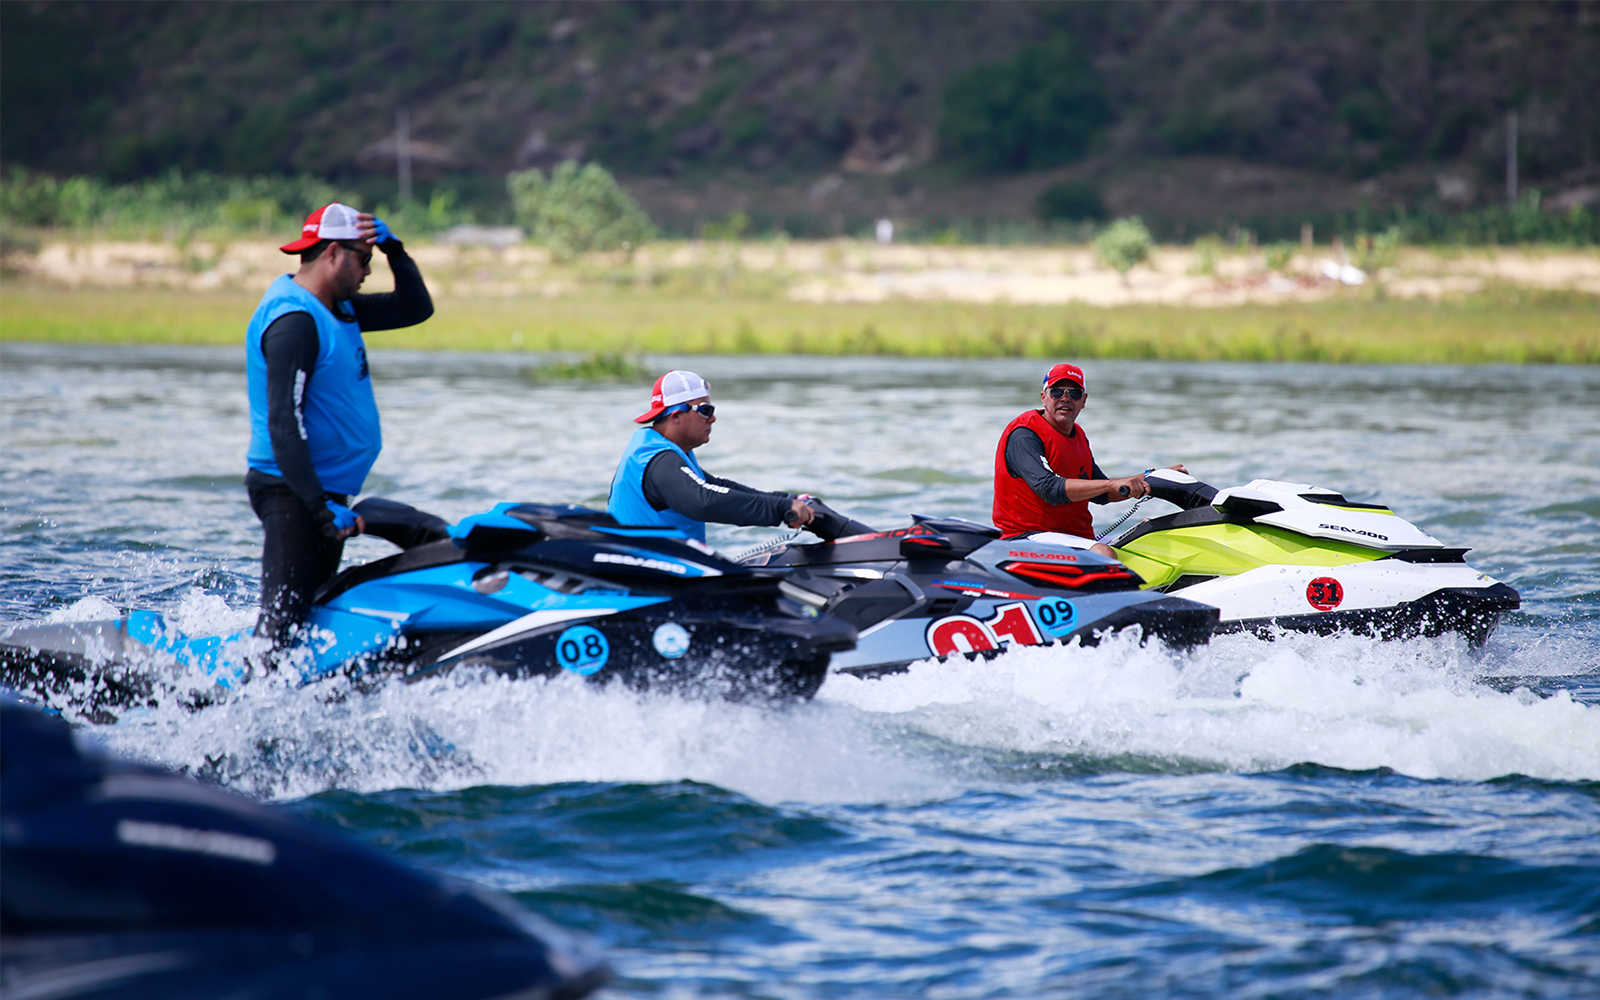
{"x":1045,"y":476}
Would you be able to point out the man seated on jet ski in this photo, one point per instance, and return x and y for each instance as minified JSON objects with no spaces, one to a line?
{"x":1045,"y":475}
{"x":659,"y":481}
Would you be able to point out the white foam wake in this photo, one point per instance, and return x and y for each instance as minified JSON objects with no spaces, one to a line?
{"x":1246,"y":704}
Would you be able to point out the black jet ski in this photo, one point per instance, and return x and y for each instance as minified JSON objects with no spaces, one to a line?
{"x":947,"y":586}
{"x":1291,"y":556}
{"x":523,"y":589}
{"x":119,"y":880}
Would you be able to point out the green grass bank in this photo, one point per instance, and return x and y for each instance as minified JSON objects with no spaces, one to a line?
{"x":1503,"y":325}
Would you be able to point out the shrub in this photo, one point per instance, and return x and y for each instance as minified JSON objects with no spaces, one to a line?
{"x":1382,"y":250}
{"x":1279,"y":255}
{"x":1124,"y":244}
{"x":1206,"y":249}
{"x":1070,"y":201}
{"x":577,"y":209}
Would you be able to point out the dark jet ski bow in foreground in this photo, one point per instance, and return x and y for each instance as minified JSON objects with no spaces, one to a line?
{"x":120,"y":880}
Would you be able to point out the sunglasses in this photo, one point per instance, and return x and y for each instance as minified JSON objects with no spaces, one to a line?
{"x":706,"y":410}
{"x":360,"y":252}
{"x":1071,"y":392}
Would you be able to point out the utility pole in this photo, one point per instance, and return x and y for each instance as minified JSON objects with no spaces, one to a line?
{"x":402,"y":151}
{"x":1511,"y":160}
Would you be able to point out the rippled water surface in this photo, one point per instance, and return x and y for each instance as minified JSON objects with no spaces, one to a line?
{"x":1311,"y":817}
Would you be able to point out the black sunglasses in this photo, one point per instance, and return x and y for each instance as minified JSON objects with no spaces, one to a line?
{"x":360,"y":251}
{"x":1071,"y":392}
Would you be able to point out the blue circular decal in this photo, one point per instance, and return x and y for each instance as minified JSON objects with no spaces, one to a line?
{"x":671,"y":640}
{"x":1056,"y":616}
{"x":582,"y":650}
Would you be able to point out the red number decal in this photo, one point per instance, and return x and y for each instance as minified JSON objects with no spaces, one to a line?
{"x":1324,"y":593}
{"x":1011,"y":622}
{"x":959,"y":634}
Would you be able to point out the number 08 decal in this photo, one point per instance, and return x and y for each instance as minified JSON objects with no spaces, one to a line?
{"x":582,"y":650}
{"x":965,"y":634}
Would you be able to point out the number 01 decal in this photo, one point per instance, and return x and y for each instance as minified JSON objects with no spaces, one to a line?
{"x":582,"y":650}
{"x":965,"y":634}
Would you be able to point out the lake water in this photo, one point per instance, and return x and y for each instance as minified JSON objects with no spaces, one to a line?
{"x":1314,"y":817}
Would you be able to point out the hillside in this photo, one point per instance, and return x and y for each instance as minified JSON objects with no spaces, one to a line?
{"x":812,"y":115}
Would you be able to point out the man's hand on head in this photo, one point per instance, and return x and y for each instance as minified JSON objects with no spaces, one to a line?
{"x":374,"y":231}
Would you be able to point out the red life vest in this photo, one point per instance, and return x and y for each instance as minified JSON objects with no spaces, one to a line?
{"x":1017,"y":509}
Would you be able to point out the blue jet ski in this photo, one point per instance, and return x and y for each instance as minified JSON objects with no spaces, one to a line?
{"x":119,"y":880}
{"x":951,"y":587}
{"x":524,"y":590}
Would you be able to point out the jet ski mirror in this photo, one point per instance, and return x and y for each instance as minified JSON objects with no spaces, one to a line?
{"x":400,"y":523}
{"x":496,"y":530}
{"x":829,"y":524}
{"x":926,"y":547}
{"x":1177,"y":488}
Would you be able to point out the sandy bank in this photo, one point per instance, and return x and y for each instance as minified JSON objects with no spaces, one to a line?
{"x":841,"y":271}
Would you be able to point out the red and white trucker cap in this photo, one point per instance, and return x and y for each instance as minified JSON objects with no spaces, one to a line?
{"x":1064,"y":371}
{"x":330,"y":222}
{"x":671,"y":389}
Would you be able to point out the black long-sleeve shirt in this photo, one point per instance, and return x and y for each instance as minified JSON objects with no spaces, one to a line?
{"x":291,"y":346}
{"x":670,"y":482}
{"x":1025,"y":457}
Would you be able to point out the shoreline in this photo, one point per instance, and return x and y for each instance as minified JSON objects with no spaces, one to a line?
{"x":855,"y":298}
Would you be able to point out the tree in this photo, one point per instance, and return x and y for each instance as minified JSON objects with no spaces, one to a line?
{"x":1124,"y":244}
{"x":577,"y":209}
{"x":1042,"y":107}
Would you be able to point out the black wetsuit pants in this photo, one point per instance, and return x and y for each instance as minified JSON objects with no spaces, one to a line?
{"x":296,"y":557}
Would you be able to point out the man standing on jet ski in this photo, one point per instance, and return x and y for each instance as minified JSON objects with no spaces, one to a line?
{"x":314,"y":430}
{"x":659,"y":481}
{"x":1045,"y":475}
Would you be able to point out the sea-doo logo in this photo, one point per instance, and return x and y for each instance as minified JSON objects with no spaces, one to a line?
{"x":1062,"y":556}
{"x":182,"y":838}
{"x":661,"y":565}
{"x":1354,"y":531}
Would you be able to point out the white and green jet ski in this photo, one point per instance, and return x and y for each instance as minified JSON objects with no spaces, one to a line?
{"x":1296,"y":557}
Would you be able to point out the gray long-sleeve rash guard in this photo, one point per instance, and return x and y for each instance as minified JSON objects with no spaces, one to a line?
{"x":670,"y":482}
{"x":1025,"y":457}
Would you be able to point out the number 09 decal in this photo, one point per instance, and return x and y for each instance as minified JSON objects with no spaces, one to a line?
{"x":582,"y":649}
{"x":966,"y":634}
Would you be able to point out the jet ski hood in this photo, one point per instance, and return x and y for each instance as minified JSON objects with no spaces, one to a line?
{"x":1313,"y":511}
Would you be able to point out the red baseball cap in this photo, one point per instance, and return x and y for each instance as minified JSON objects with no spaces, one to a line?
{"x":671,"y":389}
{"x":332,"y":221}
{"x":1064,"y":371}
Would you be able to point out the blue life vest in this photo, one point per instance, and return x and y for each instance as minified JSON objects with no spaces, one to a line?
{"x":628,"y":504}
{"x":339,"y":414}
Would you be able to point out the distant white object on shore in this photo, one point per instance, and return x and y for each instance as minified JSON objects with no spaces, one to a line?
{"x":885,"y":231}
{"x":1343,"y":273}
{"x":481,"y":236}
